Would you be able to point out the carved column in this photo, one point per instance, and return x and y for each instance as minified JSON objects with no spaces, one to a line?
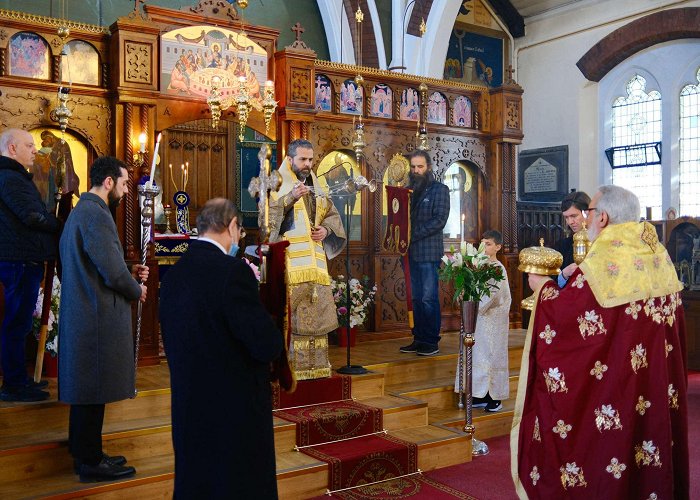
{"x":294,"y":78}
{"x":505,"y":124}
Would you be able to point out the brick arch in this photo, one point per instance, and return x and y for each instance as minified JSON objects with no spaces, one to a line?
{"x":664,"y":26}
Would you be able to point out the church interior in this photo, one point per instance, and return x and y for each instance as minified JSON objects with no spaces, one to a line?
{"x":517,"y":102}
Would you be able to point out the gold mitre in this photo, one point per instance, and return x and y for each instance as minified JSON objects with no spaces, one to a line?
{"x":540,"y":260}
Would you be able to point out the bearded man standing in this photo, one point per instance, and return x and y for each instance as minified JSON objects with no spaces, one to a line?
{"x":602,"y":406}
{"x":302,"y":215}
{"x":96,"y":361}
{"x":430,"y":207}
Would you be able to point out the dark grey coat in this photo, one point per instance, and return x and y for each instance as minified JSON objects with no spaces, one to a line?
{"x":95,"y":344}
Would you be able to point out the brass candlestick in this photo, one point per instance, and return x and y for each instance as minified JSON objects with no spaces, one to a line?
{"x":167,"y":211}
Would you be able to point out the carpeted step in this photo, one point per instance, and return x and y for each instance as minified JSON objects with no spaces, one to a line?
{"x":365,"y":460}
{"x":332,"y":421}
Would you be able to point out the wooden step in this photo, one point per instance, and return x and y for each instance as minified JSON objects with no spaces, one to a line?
{"x":42,"y":460}
{"x":487,"y":424}
{"x":438,"y":446}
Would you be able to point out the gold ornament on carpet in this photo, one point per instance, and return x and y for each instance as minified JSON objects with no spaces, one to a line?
{"x":538,"y":260}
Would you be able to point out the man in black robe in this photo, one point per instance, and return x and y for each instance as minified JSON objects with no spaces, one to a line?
{"x":219,"y":341}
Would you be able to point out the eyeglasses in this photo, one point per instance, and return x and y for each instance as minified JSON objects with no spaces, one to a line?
{"x":586,"y":213}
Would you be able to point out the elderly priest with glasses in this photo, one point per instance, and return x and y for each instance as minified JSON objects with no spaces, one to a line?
{"x":602,"y":403}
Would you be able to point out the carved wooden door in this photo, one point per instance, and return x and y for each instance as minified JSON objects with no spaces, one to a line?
{"x":197,"y":158}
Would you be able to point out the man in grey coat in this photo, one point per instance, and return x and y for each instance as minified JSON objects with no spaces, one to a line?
{"x":96,"y":360}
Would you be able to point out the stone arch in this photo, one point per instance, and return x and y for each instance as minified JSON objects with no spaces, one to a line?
{"x":664,"y":26}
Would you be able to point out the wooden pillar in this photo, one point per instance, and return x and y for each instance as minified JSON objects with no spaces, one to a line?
{"x":294,"y":87}
{"x":505,"y":124}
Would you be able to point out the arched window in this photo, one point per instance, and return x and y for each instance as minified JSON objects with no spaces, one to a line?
{"x":689,"y":146}
{"x":635,"y":154}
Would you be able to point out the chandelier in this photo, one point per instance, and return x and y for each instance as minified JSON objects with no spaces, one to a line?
{"x":242,"y":99}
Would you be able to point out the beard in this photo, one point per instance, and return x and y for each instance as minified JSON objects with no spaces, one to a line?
{"x":302,"y":174}
{"x":417,"y":182}
{"x":113,"y":198}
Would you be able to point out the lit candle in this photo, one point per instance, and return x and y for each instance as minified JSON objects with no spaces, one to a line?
{"x":187,"y":174}
{"x":463,"y":228}
{"x":182,"y":175}
{"x":143,"y":138}
{"x":172,"y":179}
{"x":153,"y":164}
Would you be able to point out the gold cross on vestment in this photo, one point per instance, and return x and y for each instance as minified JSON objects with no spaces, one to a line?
{"x":259,"y":186}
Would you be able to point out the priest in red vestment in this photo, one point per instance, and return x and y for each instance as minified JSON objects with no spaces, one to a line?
{"x":601,"y":409}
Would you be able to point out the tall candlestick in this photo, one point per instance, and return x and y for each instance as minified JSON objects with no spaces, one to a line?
{"x":153,"y":164}
{"x":172,"y":179}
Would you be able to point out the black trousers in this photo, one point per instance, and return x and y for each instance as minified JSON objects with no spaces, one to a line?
{"x":85,"y":433}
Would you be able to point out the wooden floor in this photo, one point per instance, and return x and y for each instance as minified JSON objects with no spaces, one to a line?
{"x":415,"y":393}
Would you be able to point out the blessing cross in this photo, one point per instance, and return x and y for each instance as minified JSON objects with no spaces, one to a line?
{"x":259,"y":186}
{"x":297,"y":28}
{"x":137,"y":4}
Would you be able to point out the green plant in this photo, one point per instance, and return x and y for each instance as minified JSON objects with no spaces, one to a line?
{"x":471,"y":273}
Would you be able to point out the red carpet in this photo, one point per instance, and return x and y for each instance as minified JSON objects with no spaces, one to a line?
{"x":333,"y":421}
{"x":311,"y":392}
{"x":365,"y":460}
{"x":406,"y":487}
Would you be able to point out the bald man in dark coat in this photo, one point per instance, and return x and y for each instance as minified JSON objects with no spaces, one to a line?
{"x":219,"y":341}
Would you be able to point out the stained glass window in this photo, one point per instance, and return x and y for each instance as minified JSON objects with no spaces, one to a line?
{"x":689,"y":146}
{"x":636,"y":120}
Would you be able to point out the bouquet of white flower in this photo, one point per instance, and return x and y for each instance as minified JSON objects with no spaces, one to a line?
{"x":470,"y":273}
{"x":52,"y":326}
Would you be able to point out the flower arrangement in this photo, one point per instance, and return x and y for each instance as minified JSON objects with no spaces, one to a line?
{"x":52,"y":327}
{"x":361,"y":297}
{"x":470,"y":272}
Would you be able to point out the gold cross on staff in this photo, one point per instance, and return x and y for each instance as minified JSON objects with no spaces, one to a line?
{"x":259,"y":186}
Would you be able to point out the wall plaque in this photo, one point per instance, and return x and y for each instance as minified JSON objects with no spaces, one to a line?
{"x":543,"y":174}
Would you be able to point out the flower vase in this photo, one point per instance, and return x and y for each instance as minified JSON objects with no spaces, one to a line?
{"x":343,"y":336}
{"x":470,"y":308}
{"x":50,"y":365}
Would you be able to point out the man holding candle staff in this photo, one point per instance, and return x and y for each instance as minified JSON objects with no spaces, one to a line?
{"x":430,"y":208}
{"x":96,"y":364}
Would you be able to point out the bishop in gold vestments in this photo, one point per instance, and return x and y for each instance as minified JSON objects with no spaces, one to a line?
{"x":302,"y":214}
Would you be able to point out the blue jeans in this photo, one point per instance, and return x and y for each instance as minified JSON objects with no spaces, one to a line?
{"x":426,"y":302}
{"x":21,"y":281}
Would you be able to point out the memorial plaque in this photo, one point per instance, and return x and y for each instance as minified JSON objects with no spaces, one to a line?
{"x":543,"y":174}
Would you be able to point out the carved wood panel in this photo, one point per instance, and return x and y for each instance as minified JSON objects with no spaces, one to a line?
{"x":206,"y":151}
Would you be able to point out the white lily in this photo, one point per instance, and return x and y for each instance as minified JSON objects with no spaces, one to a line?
{"x":458,"y":260}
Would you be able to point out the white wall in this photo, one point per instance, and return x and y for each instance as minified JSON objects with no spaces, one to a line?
{"x":560,"y":107}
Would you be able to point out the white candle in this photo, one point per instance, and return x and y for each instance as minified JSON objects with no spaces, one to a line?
{"x":463,"y":228}
{"x":153,"y":164}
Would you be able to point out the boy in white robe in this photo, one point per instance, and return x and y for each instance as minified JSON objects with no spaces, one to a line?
{"x":490,"y":351}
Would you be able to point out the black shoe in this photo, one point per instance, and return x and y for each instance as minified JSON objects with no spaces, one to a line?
{"x":412,"y":347}
{"x":480,"y":402}
{"x":494,"y":406}
{"x":427,"y":350}
{"x":23,"y":395}
{"x":115,"y":460}
{"x":104,"y":471}
{"x":36,"y":385}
